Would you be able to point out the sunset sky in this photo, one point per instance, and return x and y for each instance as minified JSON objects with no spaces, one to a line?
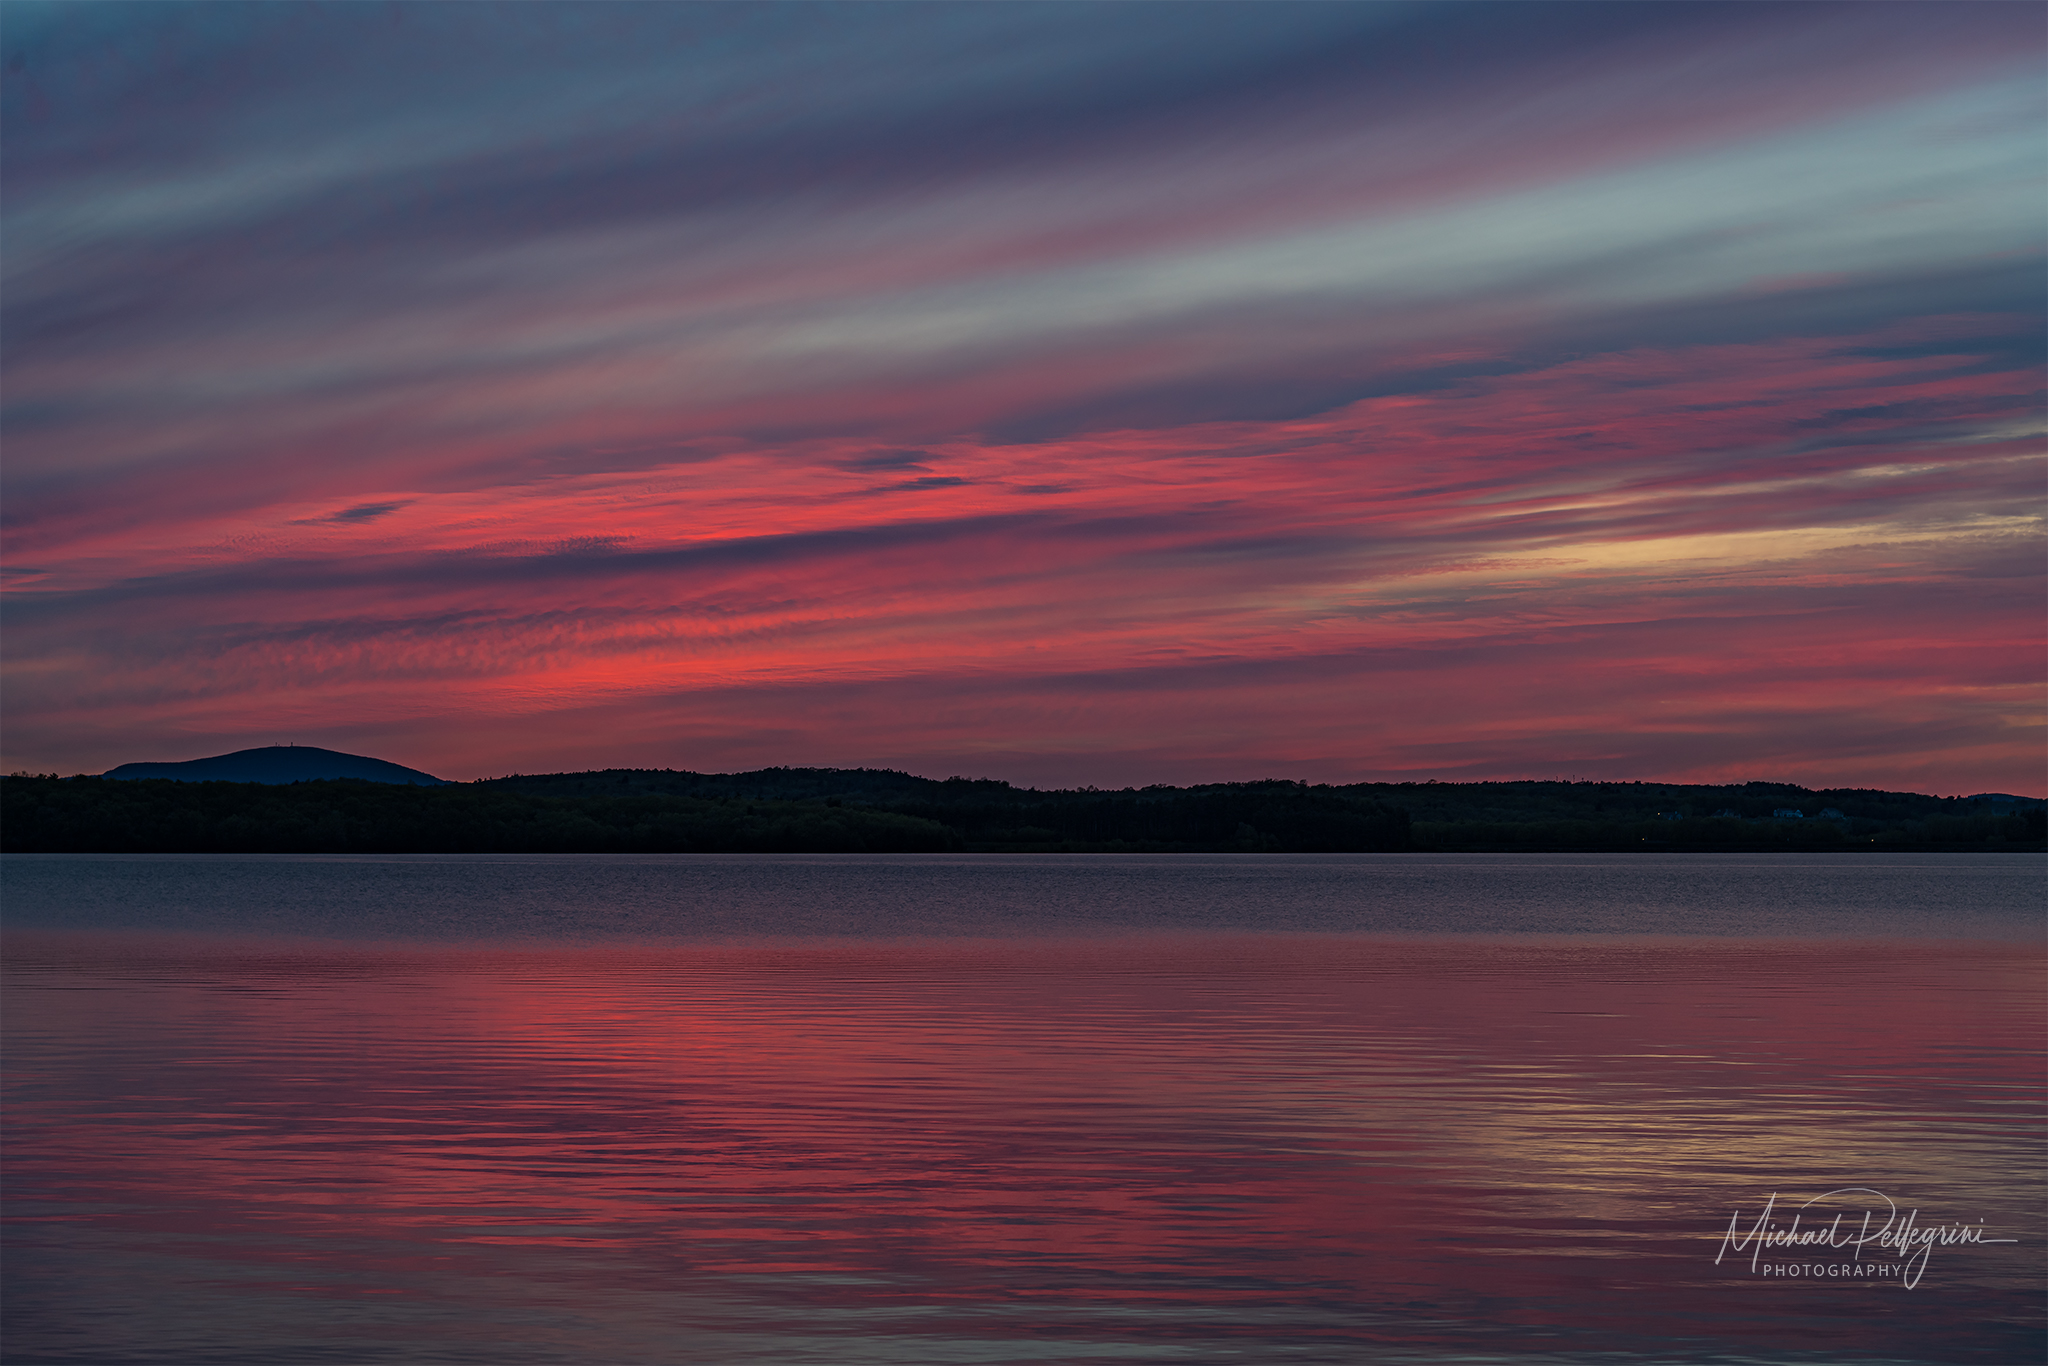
{"x":1064,"y":393}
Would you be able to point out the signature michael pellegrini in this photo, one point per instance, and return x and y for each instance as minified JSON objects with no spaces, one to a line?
{"x":1845,"y":1219}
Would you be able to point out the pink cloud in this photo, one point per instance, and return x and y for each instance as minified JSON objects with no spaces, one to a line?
{"x":1700,"y":562}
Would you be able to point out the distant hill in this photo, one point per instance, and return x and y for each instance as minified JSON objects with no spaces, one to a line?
{"x":279,"y":764}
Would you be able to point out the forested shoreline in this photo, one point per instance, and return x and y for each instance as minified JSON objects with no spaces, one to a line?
{"x":809,"y":810}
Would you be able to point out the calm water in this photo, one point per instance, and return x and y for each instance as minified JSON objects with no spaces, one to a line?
{"x":1358,"y":1109}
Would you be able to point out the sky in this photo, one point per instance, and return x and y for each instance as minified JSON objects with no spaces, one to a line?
{"x":1070,"y":394}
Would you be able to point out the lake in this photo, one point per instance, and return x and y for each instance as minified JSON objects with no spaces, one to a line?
{"x":1025,"y":1109}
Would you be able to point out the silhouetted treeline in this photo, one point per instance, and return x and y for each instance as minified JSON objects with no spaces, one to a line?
{"x":78,"y":815}
{"x":1448,"y":817}
{"x":875,"y":810}
{"x":1595,"y":817}
{"x":1270,"y":817}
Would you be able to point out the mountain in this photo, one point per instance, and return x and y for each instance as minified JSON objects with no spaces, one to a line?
{"x":279,"y":764}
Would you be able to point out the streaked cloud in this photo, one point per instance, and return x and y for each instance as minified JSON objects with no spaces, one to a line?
{"x":1089,"y":393}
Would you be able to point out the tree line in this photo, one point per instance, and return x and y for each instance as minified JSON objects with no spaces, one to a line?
{"x":811,"y":810}
{"x":80,"y":815}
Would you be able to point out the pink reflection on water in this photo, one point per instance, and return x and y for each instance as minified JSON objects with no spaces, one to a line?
{"x":1234,"y":1145}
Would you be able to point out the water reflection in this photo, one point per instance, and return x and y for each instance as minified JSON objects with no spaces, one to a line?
{"x":1315,"y":1148}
